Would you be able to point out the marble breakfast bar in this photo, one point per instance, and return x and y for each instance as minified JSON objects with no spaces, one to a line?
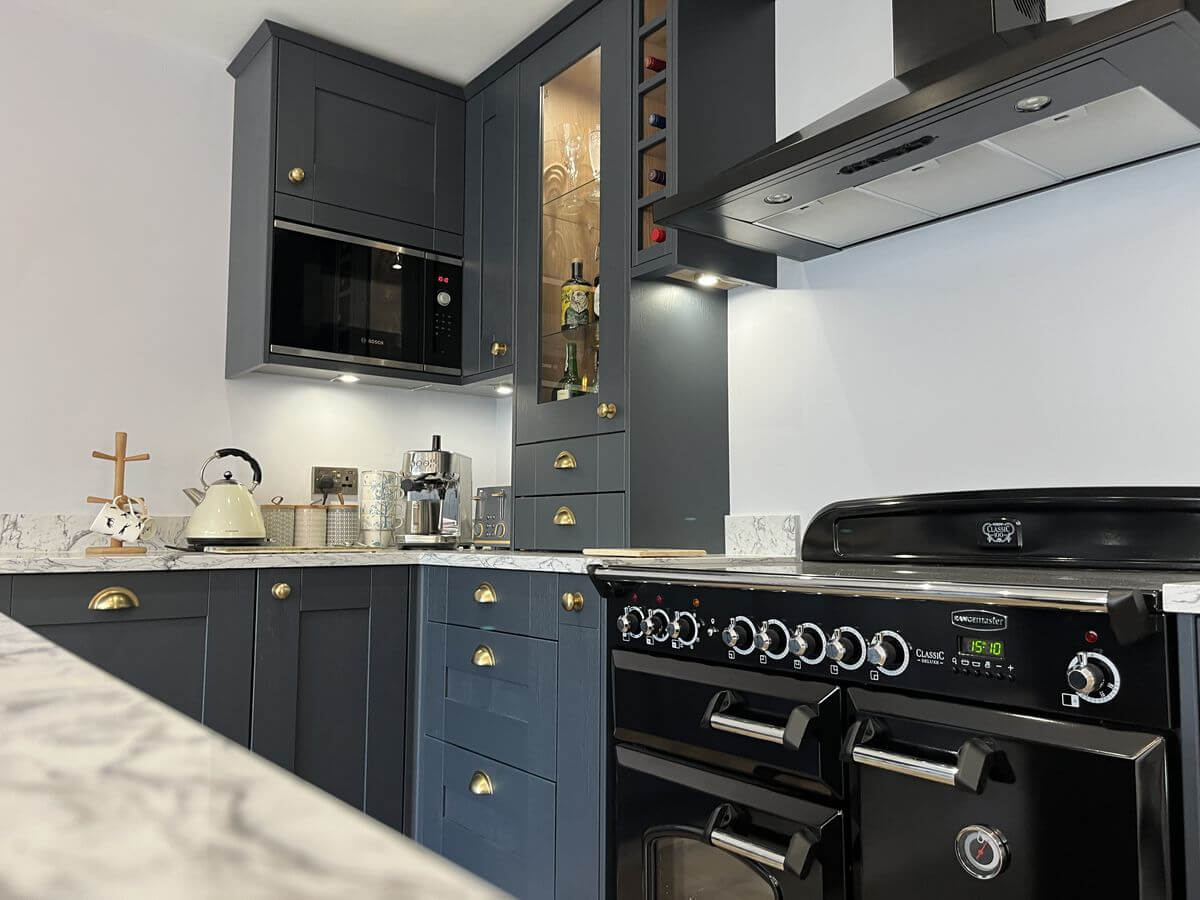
{"x":105,"y":792}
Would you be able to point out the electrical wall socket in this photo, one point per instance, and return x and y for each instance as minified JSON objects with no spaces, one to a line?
{"x":344,"y":479}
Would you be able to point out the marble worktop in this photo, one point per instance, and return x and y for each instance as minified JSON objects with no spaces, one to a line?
{"x":30,"y":562}
{"x":108,"y":793}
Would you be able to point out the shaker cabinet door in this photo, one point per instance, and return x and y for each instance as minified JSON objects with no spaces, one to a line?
{"x":573,"y":200}
{"x":355,"y":138}
{"x":489,"y":271}
{"x":330,"y":668}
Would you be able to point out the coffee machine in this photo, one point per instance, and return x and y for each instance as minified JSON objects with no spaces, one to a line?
{"x":435,"y":504}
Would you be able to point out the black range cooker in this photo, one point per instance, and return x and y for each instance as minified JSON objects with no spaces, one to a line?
{"x":954,"y":695}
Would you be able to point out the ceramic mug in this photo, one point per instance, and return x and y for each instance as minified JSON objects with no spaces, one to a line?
{"x":123,"y":523}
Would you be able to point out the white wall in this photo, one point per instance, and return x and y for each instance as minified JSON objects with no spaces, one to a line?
{"x":1046,"y":341}
{"x":113,"y":245}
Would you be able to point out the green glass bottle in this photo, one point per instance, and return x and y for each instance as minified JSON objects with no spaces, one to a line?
{"x":570,"y":385}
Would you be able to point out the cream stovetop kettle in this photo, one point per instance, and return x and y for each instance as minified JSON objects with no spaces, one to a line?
{"x":226,"y":514}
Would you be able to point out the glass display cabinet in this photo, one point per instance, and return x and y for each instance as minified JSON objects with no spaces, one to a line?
{"x":572,"y":185}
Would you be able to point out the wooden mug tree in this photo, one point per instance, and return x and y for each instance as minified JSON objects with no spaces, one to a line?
{"x":118,"y":459}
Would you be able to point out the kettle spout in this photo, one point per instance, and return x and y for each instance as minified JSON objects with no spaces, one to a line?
{"x":195,"y":495}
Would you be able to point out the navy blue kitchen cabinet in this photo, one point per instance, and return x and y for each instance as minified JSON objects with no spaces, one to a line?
{"x":330,"y":681}
{"x":509,"y":738}
{"x":185,"y":638}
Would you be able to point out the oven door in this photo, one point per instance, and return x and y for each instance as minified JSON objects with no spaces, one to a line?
{"x":346,"y":299}
{"x":685,"y":833}
{"x":950,"y":800}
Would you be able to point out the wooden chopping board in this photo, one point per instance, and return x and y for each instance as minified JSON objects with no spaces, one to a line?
{"x":642,"y":552}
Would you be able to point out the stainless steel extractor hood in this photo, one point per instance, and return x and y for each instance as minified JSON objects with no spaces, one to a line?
{"x":990,"y":101}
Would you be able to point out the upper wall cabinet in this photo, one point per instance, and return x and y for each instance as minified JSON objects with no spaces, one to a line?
{"x":356,"y":138}
{"x":490,"y":243}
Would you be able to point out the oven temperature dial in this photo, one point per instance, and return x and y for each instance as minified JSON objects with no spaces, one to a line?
{"x":738,"y":635}
{"x":658,"y":625}
{"x":629,"y":623}
{"x":808,"y":643}
{"x":888,"y":652}
{"x":1093,"y":677}
{"x":981,"y":851}
{"x":772,"y":639}
{"x":846,"y":647}
{"x":685,"y":629}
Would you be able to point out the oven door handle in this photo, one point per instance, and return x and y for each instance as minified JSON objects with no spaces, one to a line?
{"x":721,"y":715}
{"x":797,"y":858}
{"x":969,"y":772}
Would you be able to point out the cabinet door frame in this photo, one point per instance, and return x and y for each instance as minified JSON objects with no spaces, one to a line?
{"x":606,"y":26}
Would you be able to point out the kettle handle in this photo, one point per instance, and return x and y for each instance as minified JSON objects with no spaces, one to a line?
{"x":255,"y":468}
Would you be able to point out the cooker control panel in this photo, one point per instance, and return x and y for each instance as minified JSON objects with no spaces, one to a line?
{"x":1054,"y":660}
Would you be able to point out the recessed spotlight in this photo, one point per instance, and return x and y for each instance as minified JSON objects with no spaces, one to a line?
{"x":776,"y":199}
{"x":707,"y":279}
{"x":504,"y":389}
{"x":398,"y":263}
{"x":1034,"y":103}
{"x":347,"y":378}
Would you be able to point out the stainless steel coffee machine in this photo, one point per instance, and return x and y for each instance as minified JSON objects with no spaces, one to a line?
{"x":435,"y":503}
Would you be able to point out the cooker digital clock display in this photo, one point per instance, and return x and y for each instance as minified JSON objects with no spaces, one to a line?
{"x":986,"y":648}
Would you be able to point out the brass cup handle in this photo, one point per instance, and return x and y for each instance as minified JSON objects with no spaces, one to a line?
{"x":499,"y":348}
{"x":566,"y":460}
{"x":564,"y":516}
{"x":606,"y":410}
{"x":483,"y":657}
{"x":485,"y":593}
{"x":481,"y":784}
{"x":572,"y":601}
{"x":281,"y":590}
{"x":297,"y":175}
{"x":115,"y":598}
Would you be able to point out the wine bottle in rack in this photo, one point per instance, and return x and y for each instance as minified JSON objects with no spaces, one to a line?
{"x":655,"y":64}
{"x":658,"y":234}
{"x":657,"y":120}
{"x":657,"y":176}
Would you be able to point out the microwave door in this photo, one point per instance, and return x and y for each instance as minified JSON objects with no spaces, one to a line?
{"x":393,"y":317}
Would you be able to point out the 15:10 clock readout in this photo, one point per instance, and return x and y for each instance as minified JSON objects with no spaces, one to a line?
{"x":973,"y":646}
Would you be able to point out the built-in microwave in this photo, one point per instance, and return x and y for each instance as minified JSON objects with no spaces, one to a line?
{"x":344,"y":298}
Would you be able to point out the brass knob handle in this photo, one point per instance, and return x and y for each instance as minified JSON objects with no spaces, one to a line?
{"x":115,"y":598}
{"x":606,"y":410}
{"x":281,"y":590}
{"x":572,"y":601}
{"x":296,"y":175}
{"x":481,"y":785}
{"x":499,"y":348}
{"x":564,"y":516}
{"x":485,"y":593}
{"x":565,"y":460}
{"x":483,"y":657}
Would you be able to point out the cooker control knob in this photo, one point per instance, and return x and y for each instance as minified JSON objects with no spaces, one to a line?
{"x":1086,"y":676}
{"x":658,"y":624}
{"x":886,"y":650}
{"x":685,"y":629}
{"x":772,"y":639}
{"x":846,"y":647}
{"x":630,"y":622}
{"x":739,"y":634}
{"x":807,"y":641}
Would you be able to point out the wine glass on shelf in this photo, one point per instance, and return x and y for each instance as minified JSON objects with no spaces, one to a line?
{"x":594,"y":158}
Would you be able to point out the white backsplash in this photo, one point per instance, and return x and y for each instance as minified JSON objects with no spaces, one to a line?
{"x":21,"y":532}
{"x":763,"y":535}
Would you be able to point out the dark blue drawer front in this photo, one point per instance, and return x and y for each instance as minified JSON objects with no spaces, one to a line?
{"x":516,"y":602}
{"x":505,"y":836}
{"x":507,"y":710}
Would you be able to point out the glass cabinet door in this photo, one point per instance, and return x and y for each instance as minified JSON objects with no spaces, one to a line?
{"x":572,"y":277}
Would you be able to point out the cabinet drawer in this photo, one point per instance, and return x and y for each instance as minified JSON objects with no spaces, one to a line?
{"x":570,"y":522}
{"x":516,"y":602}
{"x":63,"y":599}
{"x":585,"y":465}
{"x":502,"y":830}
{"x":493,"y":693}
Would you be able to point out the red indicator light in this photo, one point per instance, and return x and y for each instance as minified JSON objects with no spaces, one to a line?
{"x":443,"y":279}
{"x":658,"y":599}
{"x":695,"y":602}
{"x":1091,"y":637}
{"x":634,"y":597}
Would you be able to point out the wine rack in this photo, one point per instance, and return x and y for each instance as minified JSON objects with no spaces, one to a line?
{"x":704,"y":100}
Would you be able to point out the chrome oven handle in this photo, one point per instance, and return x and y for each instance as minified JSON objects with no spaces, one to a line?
{"x":969,"y":772}
{"x":721,"y":715}
{"x":739,"y":846}
{"x":796,"y":858}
